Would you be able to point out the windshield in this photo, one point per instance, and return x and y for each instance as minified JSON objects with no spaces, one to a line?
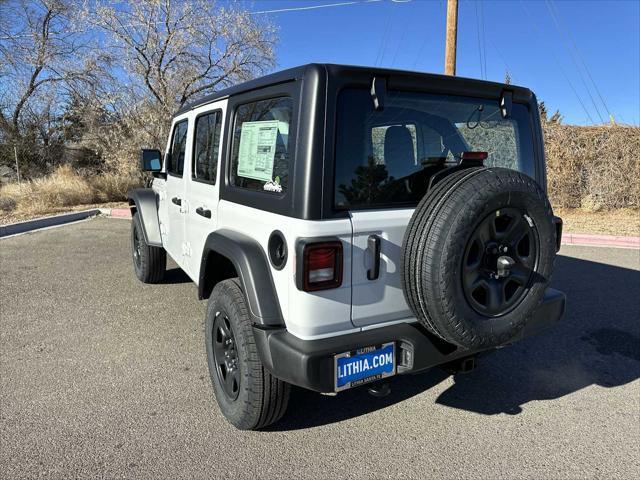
{"x":387,"y":157}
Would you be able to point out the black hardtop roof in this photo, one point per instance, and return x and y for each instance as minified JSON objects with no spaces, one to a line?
{"x":333,"y":70}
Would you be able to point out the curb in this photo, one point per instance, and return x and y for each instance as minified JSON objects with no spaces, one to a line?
{"x":116,"y":212}
{"x":46,"y":222}
{"x":600,"y":240}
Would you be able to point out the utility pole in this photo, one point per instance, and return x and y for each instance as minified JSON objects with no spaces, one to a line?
{"x":452,"y":38}
{"x":15,"y":152}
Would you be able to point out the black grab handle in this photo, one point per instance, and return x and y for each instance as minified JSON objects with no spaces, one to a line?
{"x":205,"y":213}
{"x":373,"y":248}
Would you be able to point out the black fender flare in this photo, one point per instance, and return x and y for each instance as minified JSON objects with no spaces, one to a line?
{"x":254,"y":273}
{"x":145,"y":203}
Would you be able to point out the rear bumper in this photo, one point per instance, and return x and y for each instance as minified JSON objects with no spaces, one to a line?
{"x":310,"y":363}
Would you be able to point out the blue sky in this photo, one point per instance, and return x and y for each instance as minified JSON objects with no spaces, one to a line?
{"x":519,"y":36}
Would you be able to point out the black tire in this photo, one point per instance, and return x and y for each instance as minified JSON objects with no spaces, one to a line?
{"x":418,"y":231}
{"x":249,"y":397}
{"x":467,"y":224}
{"x":149,"y":263}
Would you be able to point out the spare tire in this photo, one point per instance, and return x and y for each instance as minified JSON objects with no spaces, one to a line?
{"x":477,"y":256}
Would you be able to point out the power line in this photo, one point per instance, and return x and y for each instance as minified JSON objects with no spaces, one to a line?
{"x":259,"y":12}
{"x":484,"y":39}
{"x":575,"y":46}
{"x":555,"y":57}
{"x":400,"y":44}
{"x":420,"y":51}
{"x":482,"y":75}
{"x":562,"y":34}
{"x":502,"y":57}
{"x":324,"y":5}
{"x":315,"y":7}
{"x":382,"y":48}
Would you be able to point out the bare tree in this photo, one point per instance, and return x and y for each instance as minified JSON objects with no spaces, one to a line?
{"x":178,"y":50}
{"x":100,"y":78}
{"x":40,"y":55}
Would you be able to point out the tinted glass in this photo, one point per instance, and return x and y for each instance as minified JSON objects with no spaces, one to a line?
{"x":206,"y":147}
{"x":178,"y":148}
{"x":387,"y":157}
{"x":262,"y":146}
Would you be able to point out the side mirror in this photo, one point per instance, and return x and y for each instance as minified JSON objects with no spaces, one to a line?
{"x":150,"y":160}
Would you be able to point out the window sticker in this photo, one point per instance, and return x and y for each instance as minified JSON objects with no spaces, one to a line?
{"x":257,"y":149}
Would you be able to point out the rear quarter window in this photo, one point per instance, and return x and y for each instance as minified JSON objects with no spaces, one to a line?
{"x":262,"y":146}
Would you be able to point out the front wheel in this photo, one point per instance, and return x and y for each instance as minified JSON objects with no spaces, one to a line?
{"x":149,"y":262}
{"x":248,"y":395}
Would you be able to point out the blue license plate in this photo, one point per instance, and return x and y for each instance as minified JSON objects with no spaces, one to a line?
{"x":364,"y":365}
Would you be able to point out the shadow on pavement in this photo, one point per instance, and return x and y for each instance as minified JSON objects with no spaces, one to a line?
{"x":175,"y":276}
{"x":598,"y":343}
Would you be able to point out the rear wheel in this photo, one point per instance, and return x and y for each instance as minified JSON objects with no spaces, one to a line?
{"x":249,"y":397}
{"x":478,"y":256}
{"x":149,"y":263}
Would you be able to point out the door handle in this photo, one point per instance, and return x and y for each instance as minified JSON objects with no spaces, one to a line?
{"x":373,"y":249}
{"x":203,"y":212}
{"x":176,"y":201}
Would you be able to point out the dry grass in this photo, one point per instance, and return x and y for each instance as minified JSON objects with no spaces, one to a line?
{"x":623,"y":221}
{"x":595,"y":168}
{"x":63,"y":189}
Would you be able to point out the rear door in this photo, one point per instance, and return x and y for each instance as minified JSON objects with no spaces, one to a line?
{"x":377,"y":296}
{"x":378,"y":233}
{"x":203,"y":185}
{"x":384,"y":161}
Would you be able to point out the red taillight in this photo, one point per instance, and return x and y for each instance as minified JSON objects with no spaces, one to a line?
{"x":322,"y":266}
{"x":474,"y":155}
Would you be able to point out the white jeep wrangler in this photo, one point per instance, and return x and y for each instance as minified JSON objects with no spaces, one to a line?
{"x":348,"y":224}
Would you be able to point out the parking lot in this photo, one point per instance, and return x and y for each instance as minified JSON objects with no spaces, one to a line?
{"x":101,"y":375}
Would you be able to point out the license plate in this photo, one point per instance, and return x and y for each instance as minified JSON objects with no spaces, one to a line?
{"x":364,"y":365}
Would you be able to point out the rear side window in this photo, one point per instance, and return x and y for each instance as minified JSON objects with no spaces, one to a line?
{"x":178,"y":149}
{"x":262,"y":147}
{"x":387,"y":157}
{"x":206,"y":147}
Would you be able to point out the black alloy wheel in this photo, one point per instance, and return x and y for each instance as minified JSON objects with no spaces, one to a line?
{"x":226,"y":356}
{"x":499,"y":261}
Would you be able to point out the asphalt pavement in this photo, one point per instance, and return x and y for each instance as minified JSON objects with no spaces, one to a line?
{"x":102,"y":376}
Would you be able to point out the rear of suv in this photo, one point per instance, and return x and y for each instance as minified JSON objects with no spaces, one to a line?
{"x":348,"y":224}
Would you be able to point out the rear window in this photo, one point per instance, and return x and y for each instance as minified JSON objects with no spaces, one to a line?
{"x":386,"y":158}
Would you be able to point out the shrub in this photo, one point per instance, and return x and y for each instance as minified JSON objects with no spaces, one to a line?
{"x":7,"y":204}
{"x":594,"y":167}
{"x":110,"y":187}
